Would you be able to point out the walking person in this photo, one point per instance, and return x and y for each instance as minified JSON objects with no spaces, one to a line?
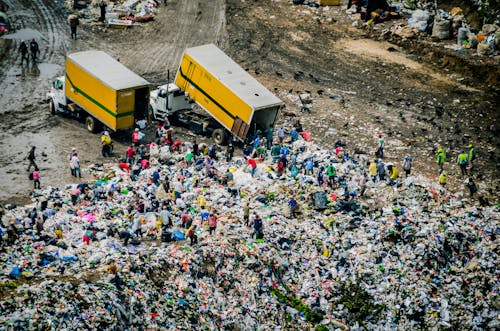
{"x":34,"y":49}
{"x":75,"y":166}
{"x":36,"y":178}
{"x":331,"y":173}
{"x":31,"y":157}
{"x":23,"y":50}
{"x":212,"y":223}
{"x":73,"y":22}
{"x":407,"y":164}
{"x":441,"y":157}
{"x":102,"y":6}
{"x":463,"y":161}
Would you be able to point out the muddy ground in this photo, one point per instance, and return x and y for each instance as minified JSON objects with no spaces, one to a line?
{"x":363,"y":81}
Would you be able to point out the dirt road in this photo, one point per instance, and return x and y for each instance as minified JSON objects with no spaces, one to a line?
{"x":148,"y":50}
{"x":360,"y":86}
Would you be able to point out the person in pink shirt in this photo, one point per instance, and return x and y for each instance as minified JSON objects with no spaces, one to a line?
{"x":212,"y":223}
{"x":36,"y":178}
{"x":145,"y":163}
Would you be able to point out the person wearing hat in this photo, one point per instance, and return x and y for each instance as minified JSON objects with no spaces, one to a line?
{"x":441,"y":157}
{"x":463,"y":161}
{"x":135,"y":137}
{"x":381,"y":145}
{"x":107,"y":144}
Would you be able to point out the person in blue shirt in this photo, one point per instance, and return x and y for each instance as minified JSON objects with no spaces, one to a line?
{"x":294,"y":134}
{"x":309,"y":164}
{"x":292,"y":203}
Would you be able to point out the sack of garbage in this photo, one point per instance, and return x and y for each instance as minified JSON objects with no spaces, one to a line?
{"x":419,"y":19}
{"x":441,"y":28}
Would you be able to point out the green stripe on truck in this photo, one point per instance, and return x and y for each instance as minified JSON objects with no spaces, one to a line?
{"x":206,"y":94}
{"x":97,"y":103}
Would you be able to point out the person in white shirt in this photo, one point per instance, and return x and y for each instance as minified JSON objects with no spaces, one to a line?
{"x":75,"y":166}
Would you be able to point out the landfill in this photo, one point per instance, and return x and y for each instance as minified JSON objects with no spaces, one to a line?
{"x":133,"y":248}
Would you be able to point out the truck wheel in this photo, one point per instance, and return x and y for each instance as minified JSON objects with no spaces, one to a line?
{"x":219,"y":136}
{"x":91,"y":124}
{"x":52,"y":107}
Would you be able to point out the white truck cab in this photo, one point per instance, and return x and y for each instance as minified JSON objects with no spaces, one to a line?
{"x":166,"y":100}
{"x":57,"y":97}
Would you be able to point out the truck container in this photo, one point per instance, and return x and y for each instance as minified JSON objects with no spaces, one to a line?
{"x":101,"y":90}
{"x":225,"y":91}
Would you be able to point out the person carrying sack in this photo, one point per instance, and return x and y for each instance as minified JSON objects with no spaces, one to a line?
{"x":73,"y":22}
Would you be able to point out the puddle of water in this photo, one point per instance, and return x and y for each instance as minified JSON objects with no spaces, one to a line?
{"x":49,"y":70}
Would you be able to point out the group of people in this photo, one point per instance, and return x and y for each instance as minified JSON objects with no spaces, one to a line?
{"x":26,"y":49}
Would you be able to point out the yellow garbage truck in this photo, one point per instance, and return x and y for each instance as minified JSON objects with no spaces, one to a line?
{"x":233,"y":103}
{"x":100,"y":90}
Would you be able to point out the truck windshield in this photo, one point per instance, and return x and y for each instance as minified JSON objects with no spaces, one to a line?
{"x":58,"y":85}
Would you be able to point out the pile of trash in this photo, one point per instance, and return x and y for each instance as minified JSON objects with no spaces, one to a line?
{"x":116,"y":13}
{"x":114,"y":252}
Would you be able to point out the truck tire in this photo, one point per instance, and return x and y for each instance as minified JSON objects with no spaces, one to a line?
{"x":52,"y":107}
{"x":219,"y":136}
{"x":92,"y":124}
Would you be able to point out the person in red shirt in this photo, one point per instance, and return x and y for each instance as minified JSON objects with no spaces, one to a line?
{"x":212,"y":223}
{"x":253,"y":165}
{"x":130,"y":153}
{"x":135,"y":137}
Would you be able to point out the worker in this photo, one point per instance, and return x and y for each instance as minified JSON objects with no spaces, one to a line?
{"x":73,"y":22}
{"x":102,"y":7}
{"x":23,"y":50}
{"x":463,"y":161}
{"x":441,"y":157}
{"x":471,"y":155}
{"x":135,"y":137}
{"x":393,"y":174}
{"x":407,"y":164}
{"x":443,"y":178}
{"x":31,"y":157}
{"x":372,"y":169}
{"x":107,"y":144}
{"x":380,"y":148}
{"x":331,"y":172}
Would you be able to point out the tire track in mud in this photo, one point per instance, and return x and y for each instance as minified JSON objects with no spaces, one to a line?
{"x":191,"y":25}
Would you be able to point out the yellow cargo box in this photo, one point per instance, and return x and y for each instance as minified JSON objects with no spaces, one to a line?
{"x":329,"y":2}
{"x":106,"y":89}
{"x":226,"y":91}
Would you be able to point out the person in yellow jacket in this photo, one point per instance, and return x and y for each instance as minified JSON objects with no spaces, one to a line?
{"x":107,"y":144}
{"x":202,"y":201}
{"x":393,"y":173}
{"x":443,"y":178}
{"x":372,"y":169}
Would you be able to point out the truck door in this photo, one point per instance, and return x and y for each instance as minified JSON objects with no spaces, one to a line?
{"x":59,"y":94}
{"x":161,"y":101}
{"x":141,"y":103}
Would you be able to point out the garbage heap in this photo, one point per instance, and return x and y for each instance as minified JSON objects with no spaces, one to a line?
{"x":360,"y":256}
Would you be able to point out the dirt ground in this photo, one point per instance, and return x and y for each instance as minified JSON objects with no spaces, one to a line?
{"x":363,"y":82}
